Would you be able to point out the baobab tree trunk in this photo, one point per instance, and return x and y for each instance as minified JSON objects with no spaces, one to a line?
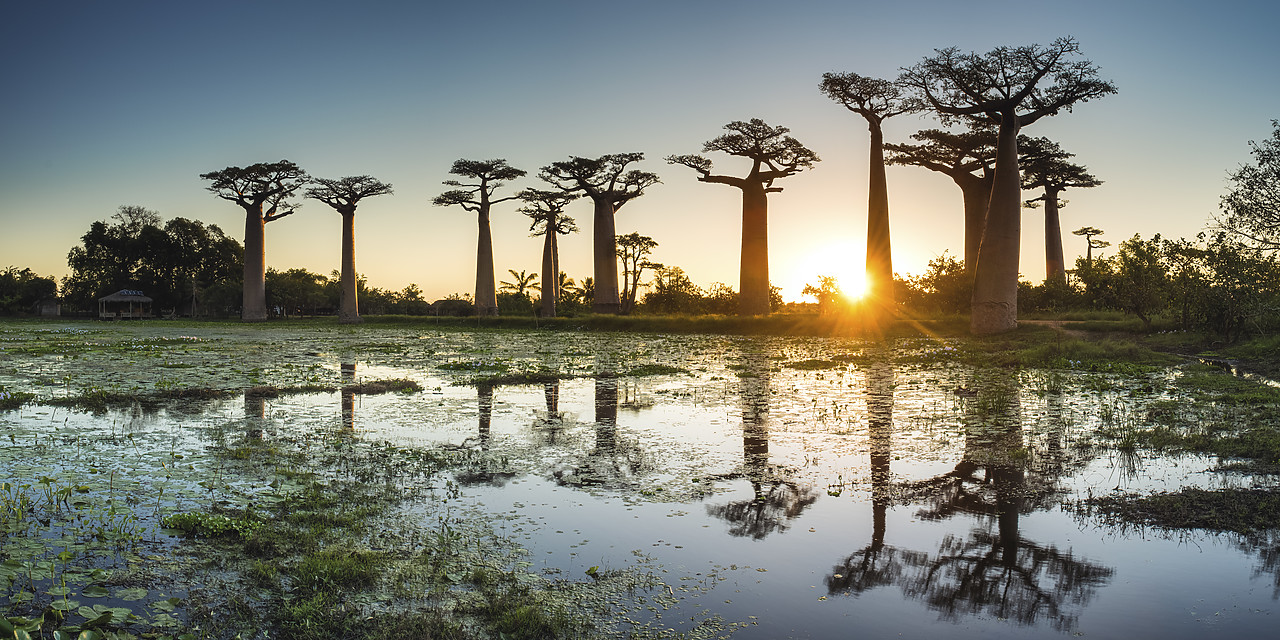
{"x":1055,"y":265}
{"x":753,"y":296}
{"x":349,"y":307}
{"x":549,"y":271}
{"x":254,"y":302}
{"x":879,"y":248}
{"x":486,"y":292}
{"x":607,"y":299}
{"x":977,"y":198}
{"x":995,"y":284}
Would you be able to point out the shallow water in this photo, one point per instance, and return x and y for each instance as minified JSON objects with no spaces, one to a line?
{"x":801,"y":488}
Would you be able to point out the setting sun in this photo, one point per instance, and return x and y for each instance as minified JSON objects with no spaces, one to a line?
{"x":842,"y":260}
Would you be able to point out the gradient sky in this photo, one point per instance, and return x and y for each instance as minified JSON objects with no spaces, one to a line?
{"x":113,"y":103}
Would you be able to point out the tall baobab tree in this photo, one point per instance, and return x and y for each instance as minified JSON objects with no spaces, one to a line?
{"x":344,"y":194}
{"x":610,"y":185}
{"x":1089,"y":233}
{"x":633,"y":248}
{"x":476,"y":195}
{"x":773,"y":155}
{"x":263,"y":191}
{"x":875,"y":100}
{"x":546,"y":210}
{"x":1010,"y":87}
{"x":969,"y":160}
{"x":1045,"y":166}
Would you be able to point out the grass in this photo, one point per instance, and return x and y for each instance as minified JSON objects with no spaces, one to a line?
{"x":1243,"y":511}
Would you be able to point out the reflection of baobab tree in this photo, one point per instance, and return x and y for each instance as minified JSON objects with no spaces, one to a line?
{"x":613,"y":460}
{"x":551,"y":424}
{"x":776,"y":500}
{"x":255,"y":412}
{"x":483,"y":468}
{"x":875,"y":565}
{"x":992,"y":570}
{"x":348,"y":370}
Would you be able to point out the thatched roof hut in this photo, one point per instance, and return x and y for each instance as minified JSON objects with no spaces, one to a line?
{"x":124,"y":304}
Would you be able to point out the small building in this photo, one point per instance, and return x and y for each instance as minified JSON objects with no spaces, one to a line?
{"x":124,"y":304}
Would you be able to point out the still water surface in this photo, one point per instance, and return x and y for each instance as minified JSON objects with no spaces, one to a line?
{"x":791,"y":494}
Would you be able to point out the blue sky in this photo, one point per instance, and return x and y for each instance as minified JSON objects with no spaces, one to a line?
{"x":128,"y":102}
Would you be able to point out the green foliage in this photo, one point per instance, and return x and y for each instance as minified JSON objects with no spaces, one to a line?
{"x":176,"y":264}
{"x":944,"y":287}
{"x":21,"y":290}
{"x":208,"y":525}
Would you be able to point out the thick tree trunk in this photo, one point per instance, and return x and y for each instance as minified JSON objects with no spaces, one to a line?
{"x":254,"y":303}
{"x":607,"y":299}
{"x":486,"y":291}
{"x":349,"y":307}
{"x":549,"y":271}
{"x":879,"y":248}
{"x":1055,"y":264}
{"x":753,"y":296}
{"x":977,"y":198}
{"x":995,"y":285}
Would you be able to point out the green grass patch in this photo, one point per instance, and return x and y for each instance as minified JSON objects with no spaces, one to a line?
{"x":1242,"y":511}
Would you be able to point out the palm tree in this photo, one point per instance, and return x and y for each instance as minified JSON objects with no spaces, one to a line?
{"x":343,"y":195}
{"x":477,"y":196}
{"x":521,"y":280}
{"x":773,"y":155}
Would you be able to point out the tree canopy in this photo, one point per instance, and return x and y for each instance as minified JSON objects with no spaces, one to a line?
{"x":1251,"y":209}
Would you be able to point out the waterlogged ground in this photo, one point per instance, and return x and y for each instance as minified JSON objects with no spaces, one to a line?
{"x":602,"y":485}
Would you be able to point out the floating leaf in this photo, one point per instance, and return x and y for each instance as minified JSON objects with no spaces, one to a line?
{"x":94,"y":591}
{"x":131,"y":594}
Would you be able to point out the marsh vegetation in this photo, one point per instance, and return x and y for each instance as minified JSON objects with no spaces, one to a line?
{"x":406,"y":479}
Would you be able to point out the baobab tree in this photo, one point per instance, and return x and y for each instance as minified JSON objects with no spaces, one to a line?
{"x":610,"y":185}
{"x":633,"y":248}
{"x":969,"y":160}
{"x":486,"y":176}
{"x":344,"y":194}
{"x":546,"y":210}
{"x":773,"y":155}
{"x":1089,"y":233}
{"x":1010,"y":87}
{"x":875,"y":100}
{"x":1045,"y":166}
{"x":263,"y":191}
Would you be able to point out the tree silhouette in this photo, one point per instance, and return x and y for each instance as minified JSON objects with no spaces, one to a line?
{"x":546,"y":210}
{"x":776,"y":500}
{"x":773,"y":155}
{"x":1089,"y":233}
{"x":344,"y":194}
{"x":969,"y":160}
{"x":633,"y":248}
{"x":875,"y":100}
{"x":610,"y":185}
{"x":485,"y":176}
{"x":263,"y":191}
{"x":1044,"y":166}
{"x":1003,"y":87}
{"x":1252,"y":208}
{"x":521,"y":281}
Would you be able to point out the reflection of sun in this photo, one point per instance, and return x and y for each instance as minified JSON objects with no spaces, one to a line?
{"x":841,"y":260}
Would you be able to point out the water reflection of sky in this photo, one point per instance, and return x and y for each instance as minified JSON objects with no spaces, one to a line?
{"x":730,"y":486}
{"x":857,"y":499}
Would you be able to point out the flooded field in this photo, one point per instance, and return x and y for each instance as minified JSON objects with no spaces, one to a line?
{"x":217,"y":479}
